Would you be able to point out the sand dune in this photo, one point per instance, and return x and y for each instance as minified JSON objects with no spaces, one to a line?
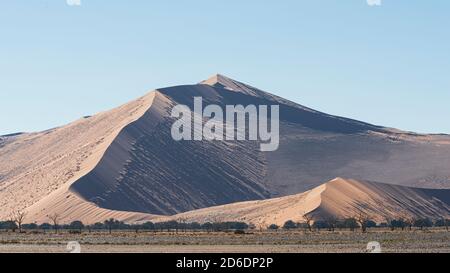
{"x":123,"y":163}
{"x":338,"y":198}
{"x":34,"y":167}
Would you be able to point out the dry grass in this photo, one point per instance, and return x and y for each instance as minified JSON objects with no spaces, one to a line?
{"x":431,"y":240}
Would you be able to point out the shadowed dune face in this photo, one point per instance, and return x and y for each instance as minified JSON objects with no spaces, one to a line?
{"x":145,"y":170}
{"x":126,"y":160}
{"x":311,"y":156}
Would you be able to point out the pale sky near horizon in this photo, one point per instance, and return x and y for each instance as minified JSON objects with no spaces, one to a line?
{"x":384,"y":64}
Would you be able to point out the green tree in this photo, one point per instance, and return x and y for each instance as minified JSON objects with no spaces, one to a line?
{"x":109,"y":224}
{"x":207,"y":226}
{"x":148,"y":226}
{"x":423,"y":223}
{"x":9,"y":225}
{"x":350,"y":223}
{"x":31,"y":226}
{"x":45,"y":226}
{"x":289,"y":225}
{"x":319,"y":224}
{"x":76,"y":225}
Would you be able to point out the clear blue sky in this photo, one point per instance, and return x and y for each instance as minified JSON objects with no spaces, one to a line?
{"x":388,"y":65}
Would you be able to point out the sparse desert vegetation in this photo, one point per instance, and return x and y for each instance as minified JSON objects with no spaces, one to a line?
{"x":114,"y":236}
{"x":294,"y":240}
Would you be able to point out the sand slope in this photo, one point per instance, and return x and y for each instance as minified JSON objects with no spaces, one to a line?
{"x":35,"y":166}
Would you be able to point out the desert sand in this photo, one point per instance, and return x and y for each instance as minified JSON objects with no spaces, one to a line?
{"x":38,"y":168}
{"x":124,"y":164}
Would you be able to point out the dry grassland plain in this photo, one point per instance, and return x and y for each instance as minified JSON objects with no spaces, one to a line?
{"x":433,"y":240}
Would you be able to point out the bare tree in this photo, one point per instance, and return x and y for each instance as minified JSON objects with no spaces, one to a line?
{"x":18,"y":217}
{"x":214,"y":221}
{"x":389,"y":222}
{"x":409,"y":222}
{"x":110,"y":224}
{"x":262,"y":225}
{"x":55,"y":221}
{"x":308,"y":221}
{"x":183,"y":222}
{"x":362,"y":218}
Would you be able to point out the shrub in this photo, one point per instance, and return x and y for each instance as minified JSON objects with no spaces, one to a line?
{"x":78,"y":225}
{"x":421,"y":223}
{"x":30,"y":226}
{"x":8,"y":225}
{"x":439,"y":223}
{"x":289,"y":225}
{"x":274,"y":227}
{"x":148,"y":226}
{"x":113,"y":224}
{"x":442,"y":223}
{"x":320,"y":225}
{"x":207,"y":226}
{"x":98,"y":226}
{"x":350,"y":223}
{"x":370,"y":224}
{"x":195,"y":225}
{"x":224,"y":226}
{"x":400,"y":223}
{"x":45,"y":226}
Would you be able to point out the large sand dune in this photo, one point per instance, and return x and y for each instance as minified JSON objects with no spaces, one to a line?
{"x":123,"y":163}
{"x":37,"y":166}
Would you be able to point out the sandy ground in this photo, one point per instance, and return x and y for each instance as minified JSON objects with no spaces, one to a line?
{"x":434,"y":240}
